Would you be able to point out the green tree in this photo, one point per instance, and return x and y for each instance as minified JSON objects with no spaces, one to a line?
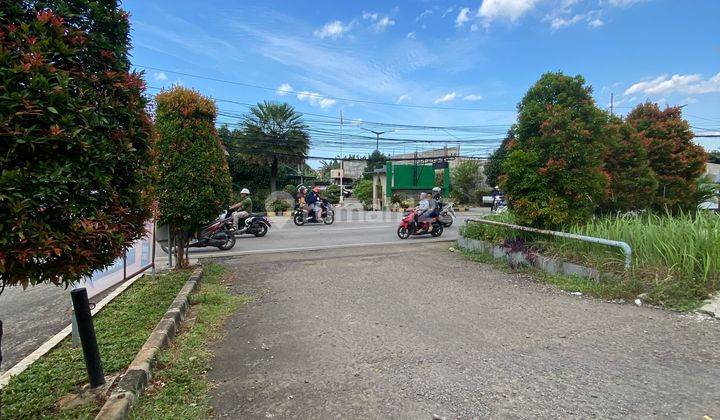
{"x":76,"y":141}
{"x":493,"y":167}
{"x":553,"y":174}
{"x":245,"y":173}
{"x":677,"y":161}
{"x":363,"y":191}
{"x":376,"y":160}
{"x":714,"y":156}
{"x":194,"y":177}
{"x":332,"y":193}
{"x":467,"y":181}
{"x":632,"y":183}
{"x":274,"y":133}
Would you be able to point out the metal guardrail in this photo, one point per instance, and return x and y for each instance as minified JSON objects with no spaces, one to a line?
{"x":619,"y":244}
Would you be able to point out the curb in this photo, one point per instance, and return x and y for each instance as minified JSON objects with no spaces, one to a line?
{"x":551,"y":266}
{"x":132,"y":383}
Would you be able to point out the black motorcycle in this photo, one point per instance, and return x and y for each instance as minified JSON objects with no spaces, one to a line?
{"x":256,"y":224}
{"x":327,"y":214}
{"x":216,"y":234}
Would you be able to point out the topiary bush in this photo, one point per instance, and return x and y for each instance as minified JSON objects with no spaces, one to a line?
{"x":194,"y":177}
{"x":76,"y":141}
{"x":363,"y":191}
{"x":553,"y":174}
{"x":467,"y":181}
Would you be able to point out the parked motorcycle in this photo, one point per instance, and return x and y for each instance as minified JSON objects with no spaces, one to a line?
{"x":447,"y":214}
{"x":408,"y":227}
{"x":216,"y":234}
{"x":327,"y":215}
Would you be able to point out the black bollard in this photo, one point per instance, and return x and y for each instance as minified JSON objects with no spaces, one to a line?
{"x":86,"y":330}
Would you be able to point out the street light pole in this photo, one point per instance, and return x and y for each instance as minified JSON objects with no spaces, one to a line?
{"x":377,"y":136}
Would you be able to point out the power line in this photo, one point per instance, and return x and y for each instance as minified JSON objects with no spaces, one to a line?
{"x":290,"y":91}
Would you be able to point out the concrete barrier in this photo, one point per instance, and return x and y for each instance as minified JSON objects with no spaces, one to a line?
{"x":549,"y":265}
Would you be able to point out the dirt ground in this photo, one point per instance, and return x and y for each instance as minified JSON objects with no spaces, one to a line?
{"x":414,"y":331}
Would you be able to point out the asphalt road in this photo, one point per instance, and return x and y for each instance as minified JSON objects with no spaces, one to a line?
{"x":25,"y":330}
{"x":414,"y":331}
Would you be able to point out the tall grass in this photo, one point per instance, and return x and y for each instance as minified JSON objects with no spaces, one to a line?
{"x":675,"y":257}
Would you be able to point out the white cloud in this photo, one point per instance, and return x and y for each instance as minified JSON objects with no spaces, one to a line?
{"x":680,"y":83}
{"x":448,"y":11}
{"x":462,"y":17}
{"x":472,"y":97}
{"x":315,"y":99}
{"x":383,"y":24}
{"x":161,"y":77}
{"x":370,"y":16}
{"x":403,"y":98}
{"x":596,"y":23}
{"x":284,"y":89}
{"x":448,"y":97}
{"x":623,"y":3}
{"x":358,"y":122}
{"x":559,"y":22}
{"x":505,"y":9}
{"x":426,"y":12}
{"x":411,"y":35}
{"x":333,"y":30}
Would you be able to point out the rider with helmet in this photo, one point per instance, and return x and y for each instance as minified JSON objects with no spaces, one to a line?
{"x":241,"y":209}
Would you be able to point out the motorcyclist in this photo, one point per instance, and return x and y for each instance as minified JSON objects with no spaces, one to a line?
{"x":437,"y":196}
{"x":421,"y":207}
{"x":431,"y":212}
{"x":495,"y":192}
{"x":243,"y":207}
{"x":314,"y":202}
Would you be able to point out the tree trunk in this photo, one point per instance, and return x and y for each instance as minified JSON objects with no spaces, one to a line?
{"x":1,"y":332}
{"x":181,"y":242}
{"x":273,"y":174}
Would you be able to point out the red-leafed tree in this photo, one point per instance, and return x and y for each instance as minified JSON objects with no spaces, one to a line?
{"x":75,"y":141}
{"x":675,"y":159}
{"x":632,"y":183}
{"x":553,"y":174}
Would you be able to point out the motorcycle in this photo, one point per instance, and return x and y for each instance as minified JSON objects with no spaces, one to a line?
{"x":256,"y":224}
{"x":327,"y":215}
{"x":447,"y":214}
{"x":216,"y":234}
{"x":408,"y":227}
{"x":499,"y":204}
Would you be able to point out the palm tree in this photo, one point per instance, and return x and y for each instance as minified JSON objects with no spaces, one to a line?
{"x":274,"y":133}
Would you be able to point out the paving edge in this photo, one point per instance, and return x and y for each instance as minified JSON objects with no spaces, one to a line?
{"x":711,"y":306}
{"x":131,"y":384}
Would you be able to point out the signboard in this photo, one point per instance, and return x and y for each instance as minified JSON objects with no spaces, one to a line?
{"x":137,"y":258}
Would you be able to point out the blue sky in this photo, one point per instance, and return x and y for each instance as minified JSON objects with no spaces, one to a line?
{"x":444,"y":63}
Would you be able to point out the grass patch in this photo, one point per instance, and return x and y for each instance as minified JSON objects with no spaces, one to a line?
{"x":676,"y":259}
{"x":121,"y":328}
{"x":180,"y":387}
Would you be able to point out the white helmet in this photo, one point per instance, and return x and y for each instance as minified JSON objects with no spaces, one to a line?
{"x":436,"y":189}
{"x":245,"y":191}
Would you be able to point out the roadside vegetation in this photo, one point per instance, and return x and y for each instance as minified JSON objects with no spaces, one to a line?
{"x":179,"y":388}
{"x":676,"y":258}
{"x":121,"y":328}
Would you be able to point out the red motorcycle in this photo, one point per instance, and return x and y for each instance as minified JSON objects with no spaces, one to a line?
{"x":408,"y":227}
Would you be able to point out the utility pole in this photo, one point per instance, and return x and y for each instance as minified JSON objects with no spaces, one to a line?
{"x":612,"y":103}
{"x":377,"y":136}
{"x":342,"y":166}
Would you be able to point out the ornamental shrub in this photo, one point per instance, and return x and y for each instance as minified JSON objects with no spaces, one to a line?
{"x":75,"y":154}
{"x":677,"y":161}
{"x":553,"y":173}
{"x":194,"y":180}
{"x":632,"y":183}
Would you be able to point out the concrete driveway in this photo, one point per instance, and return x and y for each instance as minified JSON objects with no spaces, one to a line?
{"x":413,"y":331}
